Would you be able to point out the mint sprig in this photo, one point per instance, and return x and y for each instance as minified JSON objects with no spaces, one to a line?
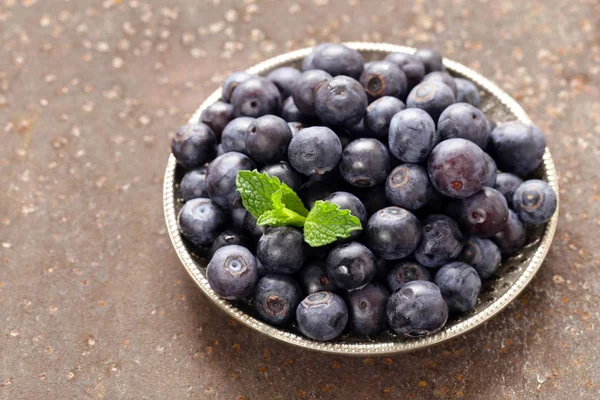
{"x":274,"y":203}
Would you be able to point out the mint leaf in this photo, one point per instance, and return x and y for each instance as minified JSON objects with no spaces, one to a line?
{"x":280,"y":215}
{"x":257,"y":189}
{"x":326,"y":222}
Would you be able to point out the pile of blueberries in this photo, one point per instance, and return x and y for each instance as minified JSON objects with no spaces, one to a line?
{"x":400,"y":143}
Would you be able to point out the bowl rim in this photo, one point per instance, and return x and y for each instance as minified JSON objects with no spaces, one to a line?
{"x":375,"y":348}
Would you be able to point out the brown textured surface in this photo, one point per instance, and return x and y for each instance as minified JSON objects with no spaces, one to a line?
{"x":94,"y":302}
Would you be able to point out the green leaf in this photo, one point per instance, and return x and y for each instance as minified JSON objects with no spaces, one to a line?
{"x":280,"y":215}
{"x":326,"y":222}
{"x":257,"y":189}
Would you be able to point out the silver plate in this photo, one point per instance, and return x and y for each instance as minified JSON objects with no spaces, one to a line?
{"x":514,"y":274}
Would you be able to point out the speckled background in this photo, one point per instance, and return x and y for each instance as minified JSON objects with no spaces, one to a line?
{"x":93,"y":300}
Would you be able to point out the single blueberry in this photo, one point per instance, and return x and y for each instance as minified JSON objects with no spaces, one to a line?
{"x":229,"y":237}
{"x":535,"y":202}
{"x":483,"y":255}
{"x":413,"y":67}
{"x":513,"y":236}
{"x":232,"y":82}
{"x":417,"y":309}
{"x":431,"y":59}
{"x":433,"y":97}
{"x":379,"y":115}
{"x":200,"y":221}
{"x":467,"y":92}
{"x":234,"y":135}
{"x":305,"y":90}
{"x":444,"y":77}
{"x":460,"y":285}
{"x":338,"y":59}
{"x":217,"y":116}
{"x":484,"y":214}
{"x":457,"y":168}
{"x":267,"y":139}
{"x":507,"y":183}
{"x":366,"y":309}
{"x":193,"y":184}
{"x":281,"y":250}
{"x":284,"y":78}
{"x":408,"y":187}
{"x":393,"y":233}
{"x":462,"y":120}
{"x":404,"y":272}
{"x":232,"y":272}
{"x":441,"y":241}
{"x":351,"y":265}
{"x":276,"y":298}
{"x":341,"y":101}
{"x":255,"y":97}
{"x":322,"y":316}
{"x":383,"y":78}
{"x":315,"y":150}
{"x":194,"y":145}
{"x":313,"y":277}
{"x":307,"y":63}
{"x":517,"y":148}
{"x":285,"y":173}
{"x":221,"y":175}
{"x":365,"y":162}
{"x":412,"y":135}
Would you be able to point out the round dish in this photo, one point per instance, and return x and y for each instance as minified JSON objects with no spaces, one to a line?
{"x":514,"y":274}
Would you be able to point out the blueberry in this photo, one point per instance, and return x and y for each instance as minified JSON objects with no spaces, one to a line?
{"x":267,"y":139}
{"x":383,"y":78}
{"x":351,"y":265}
{"x":193,"y":145}
{"x":457,"y":168}
{"x":460,"y":286}
{"x":314,"y":190}
{"x":338,"y":59}
{"x":227,"y":238}
{"x":379,"y":115}
{"x":441,"y":241}
{"x":462,"y":120}
{"x":315,"y":150}
{"x":290,"y":112}
{"x":491,"y":171}
{"x":305,"y":90}
{"x":393,"y":233}
{"x":341,"y":101}
{"x":276,"y":298}
{"x":513,"y":236}
{"x":285,"y":173}
{"x":237,"y":218}
{"x":431,"y":59}
{"x":467,"y":92}
{"x":284,"y":78}
{"x":296,"y":127}
{"x":253,"y":229}
{"x":444,"y":77}
{"x":483,"y":255}
{"x":417,"y":309}
{"x":365,"y":162}
{"x":255,"y":97}
{"x":232,"y":82}
{"x":518,"y":148}
{"x":232,"y":272}
{"x":535,"y":202}
{"x":221,"y":176}
{"x":404,"y":272}
{"x":234,"y":135}
{"x":307,"y":63}
{"x":281,"y":250}
{"x":413,"y":67}
{"x":313,"y":277}
{"x":408,"y":187}
{"x":412,"y":135}
{"x":433,"y":97}
{"x":217,"y":116}
{"x":200,"y":221}
{"x":193,"y":184}
{"x":507,"y":183}
{"x":366,"y":309}
{"x":374,"y":199}
{"x":484,"y":214}
{"x":348,"y":201}
{"x":322,"y":316}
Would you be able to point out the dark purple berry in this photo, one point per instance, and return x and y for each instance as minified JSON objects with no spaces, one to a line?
{"x":267,"y":139}
{"x":221,"y":175}
{"x":518,"y":148}
{"x":404,"y":272}
{"x":366,"y":308}
{"x":276,"y":298}
{"x":412,"y":135}
{"x":200,"y":221}
{"x":413,"y":67}
{"x":393,"y":233}
{"x":483,"y":255}
{"x":365,"y":162}
{"x":284,"y":78}
{"x":460,"y":286}
{"x":535,"y":202}
{"x":217,"y":116}
{"x":433,"y":97}
{"x":383,"y":78}
{"x":322,"y":316}
{"x":232,"y":272}
{"x":305,"y":90}
{"x":193,"y":184}
{"x":441,"y":241}
{"x":194,"y":145}
{"x":462,"y":120}
{"x":255,"y":97}
{"x":341,"y":101}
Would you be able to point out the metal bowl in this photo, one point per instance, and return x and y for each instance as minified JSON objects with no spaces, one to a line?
{"x":514,"y":274}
